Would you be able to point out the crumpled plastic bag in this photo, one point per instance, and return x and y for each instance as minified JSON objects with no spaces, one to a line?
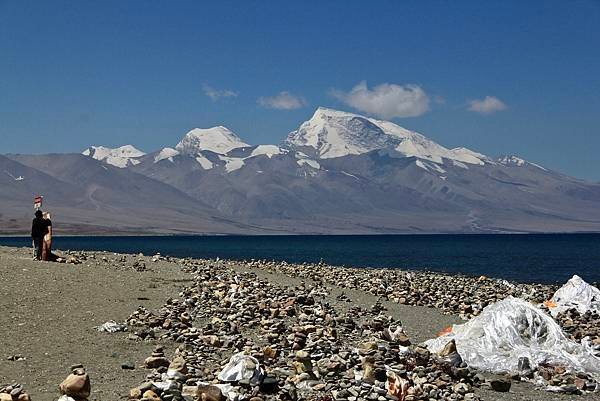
{"x":111,"y":327}
{"x":242,"y":366}
{"x":511,"y":329}
{"x":576,"y":293}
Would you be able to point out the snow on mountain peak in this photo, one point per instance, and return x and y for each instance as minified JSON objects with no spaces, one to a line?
{"x":165,"y":153}
{"x":268,"y":150}
{"x":119,"y":157}
{"x":332,"y":133}
{"x":219,"y":139}
{"x":512,"y":160}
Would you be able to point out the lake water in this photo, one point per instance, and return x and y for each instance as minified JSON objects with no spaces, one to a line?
{"x":547,"y":258}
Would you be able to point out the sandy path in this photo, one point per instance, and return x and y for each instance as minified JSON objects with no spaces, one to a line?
{"x":48,"y":311}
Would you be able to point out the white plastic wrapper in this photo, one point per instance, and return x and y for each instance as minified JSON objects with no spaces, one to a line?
{"x":576,"y":293}
{"x":242,"y":366}
{"x":510,"y":329}
{"x":111,"y":327}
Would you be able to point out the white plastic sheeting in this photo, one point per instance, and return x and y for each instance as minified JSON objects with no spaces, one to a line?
{"x":111,"y":327}
{"x":242,"y":366}
{"x":513,"y":328}
{"x":576,"y":293}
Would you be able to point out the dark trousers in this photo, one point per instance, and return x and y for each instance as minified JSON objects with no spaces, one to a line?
{"x":38,"y":245}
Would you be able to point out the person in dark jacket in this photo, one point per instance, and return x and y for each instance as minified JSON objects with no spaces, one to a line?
{"x":39,"y":228}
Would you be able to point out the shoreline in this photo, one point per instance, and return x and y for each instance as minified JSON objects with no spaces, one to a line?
{"x":442,"y":259}
{"x":205,"y":278}
{"x":290,"y":234}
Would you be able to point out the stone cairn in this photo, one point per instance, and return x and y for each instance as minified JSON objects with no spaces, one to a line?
{"x":305,"y":347}
{"x":76,"y":387}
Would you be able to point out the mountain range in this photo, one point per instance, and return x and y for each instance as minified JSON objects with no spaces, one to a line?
{"x":338,"y":172}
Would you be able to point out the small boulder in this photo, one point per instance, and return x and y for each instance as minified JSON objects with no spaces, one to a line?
{"x":500,"y":385}
{"x":76,"y":385}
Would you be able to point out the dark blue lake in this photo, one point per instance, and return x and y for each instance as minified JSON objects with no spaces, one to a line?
{"x":548,"y":258}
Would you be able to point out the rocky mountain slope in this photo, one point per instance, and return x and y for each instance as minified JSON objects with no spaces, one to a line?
{"x":337,"y":173}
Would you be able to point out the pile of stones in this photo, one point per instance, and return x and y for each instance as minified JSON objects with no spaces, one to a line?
{"x":453,"y":294}
{"x":13,"y":392}
{"x":304,"y":347}
{"x":560,"y":380}
{"x":577,"y":326}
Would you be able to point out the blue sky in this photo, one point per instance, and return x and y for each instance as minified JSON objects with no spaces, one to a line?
{"x":78,"y":73}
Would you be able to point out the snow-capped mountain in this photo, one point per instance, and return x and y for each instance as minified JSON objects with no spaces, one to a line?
{"x":338,"y":172}
{"x":216,"y":139}
{"x":331,"y":133}
{"x":120,"y":157}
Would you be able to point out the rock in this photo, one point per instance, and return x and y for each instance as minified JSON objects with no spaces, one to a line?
{"x":500,"y":385}
{"x":461,"y":388}
{"x":269,"y":385}
{"x":153,"y":362}
{"x":76,"y":385}
{"x":150,"y":395}
{"x":269,"y":352}
{"x":5,"y":397}
{"x":127,"y":366}
{"x":135,"y":393}
{"x":449,"y":348}
{"x":580,"y":383}
{"x":210,"y":393}
{"x":178,"y":364}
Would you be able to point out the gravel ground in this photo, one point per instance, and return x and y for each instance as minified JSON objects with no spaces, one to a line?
{"x":48,"y":311}
{"x":47,"y":315}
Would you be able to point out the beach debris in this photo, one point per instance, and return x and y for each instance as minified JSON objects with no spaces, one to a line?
{"x":511,"y":330}
{"x":111,"y":327}
{"x":242,"y":367}
{"x":575,"y":294}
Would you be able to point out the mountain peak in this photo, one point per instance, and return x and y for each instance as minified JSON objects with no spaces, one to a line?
{"x":118,"y":157}
{"x":332,"y":133}
{"x":217,"y":139}
{"x":516,"y":161}
{"x":325,"y":111}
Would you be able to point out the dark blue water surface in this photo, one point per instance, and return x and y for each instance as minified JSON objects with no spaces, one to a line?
{"x":547,"y":258}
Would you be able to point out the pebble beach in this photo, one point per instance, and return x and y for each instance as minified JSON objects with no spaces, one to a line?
{"x":194,"y":329}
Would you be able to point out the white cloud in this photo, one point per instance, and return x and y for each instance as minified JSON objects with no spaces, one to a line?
{"x":487,"y":105}
{"x":282,"y":101}
{"x":386,"y":100}
{"x":216,"y":94}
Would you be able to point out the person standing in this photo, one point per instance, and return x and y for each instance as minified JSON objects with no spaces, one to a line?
{"x":47,"y":245}
{"x":39,"y":228}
